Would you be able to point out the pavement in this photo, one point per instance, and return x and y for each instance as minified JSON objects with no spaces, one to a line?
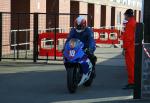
{"x":25,"y":82}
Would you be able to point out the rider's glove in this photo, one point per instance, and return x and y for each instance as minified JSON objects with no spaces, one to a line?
{"x":88,"y":51}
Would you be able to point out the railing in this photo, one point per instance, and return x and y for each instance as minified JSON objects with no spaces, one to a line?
{"x":19,"y":43}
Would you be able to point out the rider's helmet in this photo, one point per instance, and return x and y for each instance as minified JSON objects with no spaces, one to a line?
{"x":80,"y":24}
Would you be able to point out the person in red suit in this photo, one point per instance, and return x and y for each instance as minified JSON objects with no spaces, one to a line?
{"x":128,"y":45}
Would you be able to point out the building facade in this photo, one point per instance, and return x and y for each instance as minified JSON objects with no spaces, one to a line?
{"x":103,"y":13}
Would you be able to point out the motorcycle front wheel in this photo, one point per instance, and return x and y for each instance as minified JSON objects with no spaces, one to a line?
{"x":72,"y":83}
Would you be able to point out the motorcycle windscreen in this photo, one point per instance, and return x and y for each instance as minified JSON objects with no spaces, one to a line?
{"x":73,"y":50}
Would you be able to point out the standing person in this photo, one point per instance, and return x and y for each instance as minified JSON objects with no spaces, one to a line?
{"x":128,"y":45}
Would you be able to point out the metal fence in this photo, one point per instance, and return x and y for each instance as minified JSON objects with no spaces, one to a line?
{"x":19,"y":33}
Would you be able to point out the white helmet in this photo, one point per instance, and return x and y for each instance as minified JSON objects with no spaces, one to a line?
{"x":80,"y":24}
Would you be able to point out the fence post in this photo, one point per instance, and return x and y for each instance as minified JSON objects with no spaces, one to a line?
{"x":55,"y":40}
{"x":138,"y":60}
{"x":1,"y":36}
{"x":91,"y":17}
{"x":35,"y":41}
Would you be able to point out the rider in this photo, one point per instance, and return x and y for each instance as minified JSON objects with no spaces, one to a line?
{"x":84,"y":34}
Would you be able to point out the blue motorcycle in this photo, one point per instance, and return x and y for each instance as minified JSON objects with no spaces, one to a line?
{"x":80,"y":70}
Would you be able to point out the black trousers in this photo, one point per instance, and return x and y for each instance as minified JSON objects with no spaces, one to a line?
{"x":92,"y":58}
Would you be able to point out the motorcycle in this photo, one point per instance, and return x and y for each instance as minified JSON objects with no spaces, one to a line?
{"x":74,"y":56}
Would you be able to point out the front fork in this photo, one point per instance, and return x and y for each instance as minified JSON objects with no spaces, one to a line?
{"x":78,"y":71}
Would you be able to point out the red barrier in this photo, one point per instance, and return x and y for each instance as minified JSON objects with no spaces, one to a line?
{"x":49,"y":50}
{"x":60,"y":36}
{"x":106,"y":36}
{"x":102,"y":36}
{"x":45,"y":51}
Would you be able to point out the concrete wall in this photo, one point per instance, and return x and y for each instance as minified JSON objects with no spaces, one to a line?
{"x":64,"y":20}
{"x":64,"y":7}
{"x":97,"y":15}
{"x":122,"y":14}
{"x":118,"y":11}
{"x":108,"y":16}
{"x":83,"y":8}
{"x":40,"y":7}
{"x":137,"y":16}
{"x":5,"y":7}
{"x":117,"y":16}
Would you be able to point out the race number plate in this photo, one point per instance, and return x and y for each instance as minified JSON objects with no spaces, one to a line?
{"x":72,"y":53}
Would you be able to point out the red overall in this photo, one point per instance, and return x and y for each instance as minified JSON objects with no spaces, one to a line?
{"x":128,"y":45}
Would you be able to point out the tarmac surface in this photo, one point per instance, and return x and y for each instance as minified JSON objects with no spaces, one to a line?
{"x":24,"y":82}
